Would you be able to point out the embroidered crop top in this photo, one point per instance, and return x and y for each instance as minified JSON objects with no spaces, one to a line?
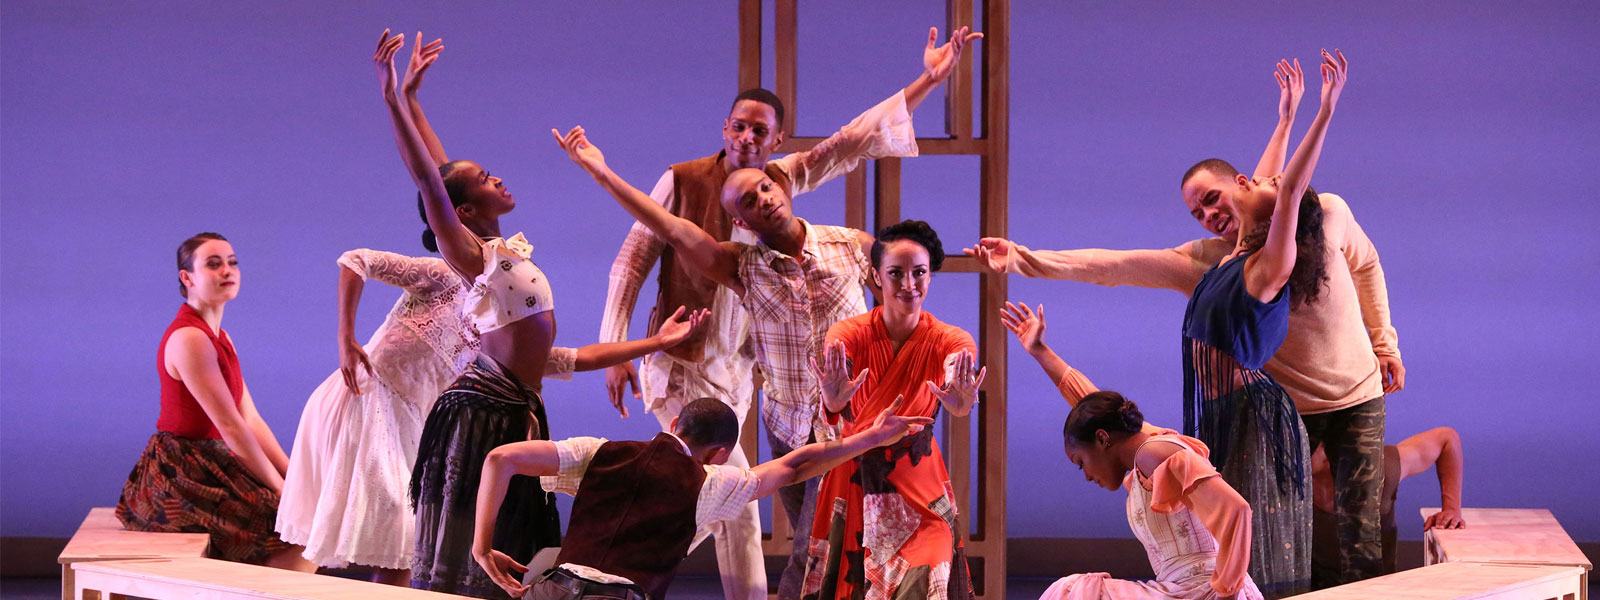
{"x":510,"y":288}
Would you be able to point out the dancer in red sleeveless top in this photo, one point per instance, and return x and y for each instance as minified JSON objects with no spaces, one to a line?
{"x":213,"y":465}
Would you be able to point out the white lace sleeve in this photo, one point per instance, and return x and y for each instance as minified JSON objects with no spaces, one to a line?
{"x":562,"y":362}
{"x":422,"y":276}
{"x":638,"y":255}
{"x":883,"y":130}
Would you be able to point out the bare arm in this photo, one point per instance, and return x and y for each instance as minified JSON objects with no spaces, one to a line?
{"x":812,"y":460}
{"x":1267,"y":271}
{"x":459,"y":246}
{"x":263,"y":433}
{"x":423,"y":57}
{"x":1439,"y":448}
{"x":1291,"y":84}
{"x":190,"y":353}
{"x":1178,"y":268}
{"x":532,"y":458}
{"x":677,"y":328}
{"x":351,"y":355}
{"x":1029,"y":325}
{"x":938,"y":63}
{"x":716,"y":260}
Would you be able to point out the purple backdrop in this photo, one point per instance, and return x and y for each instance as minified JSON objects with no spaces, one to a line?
{"x":1461,"y":146}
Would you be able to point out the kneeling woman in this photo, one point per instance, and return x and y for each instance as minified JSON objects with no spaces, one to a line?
{"x":213,"y":465}
{"x":886,"y":520}
{"x":1194,"y":527}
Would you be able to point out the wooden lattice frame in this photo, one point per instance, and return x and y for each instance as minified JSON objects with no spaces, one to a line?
{"x":986,"y":549}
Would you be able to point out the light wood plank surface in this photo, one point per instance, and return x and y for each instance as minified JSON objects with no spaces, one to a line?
{"x":1461,"y":581}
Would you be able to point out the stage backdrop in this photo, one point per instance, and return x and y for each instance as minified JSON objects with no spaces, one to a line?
{"x":1465,"y":145}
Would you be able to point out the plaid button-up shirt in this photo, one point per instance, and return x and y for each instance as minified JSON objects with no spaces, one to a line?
{"x":792,"y":301}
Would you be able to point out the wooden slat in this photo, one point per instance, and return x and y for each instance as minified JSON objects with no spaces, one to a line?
{"x":749,"y":44}
{"x":855,"y":199}
{"x":886,"y":192}
{"x":928,"y":145}
{"x":223,"y":580}
{"x":958,"y":90}
{"x":993,"y":221}
{"x":786,"y":46}
{"x":1460,"y":581}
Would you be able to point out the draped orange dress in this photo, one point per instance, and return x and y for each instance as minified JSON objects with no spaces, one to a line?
{"x":886,"y":522}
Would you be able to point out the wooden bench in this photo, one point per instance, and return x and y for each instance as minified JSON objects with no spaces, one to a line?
{"x":101,"y":537}
{"x":1506,"y":536}
{"x":1462,"y":581}
{"x":209,"y":579}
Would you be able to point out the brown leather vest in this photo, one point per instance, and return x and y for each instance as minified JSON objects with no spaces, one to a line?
{"x":698,"y":186}
{"x":633,"y":515}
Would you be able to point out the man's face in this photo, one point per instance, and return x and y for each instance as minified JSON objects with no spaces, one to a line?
{"x":1210,"y":200}
{"x":750,"y":134}
{"x":756,"y":202}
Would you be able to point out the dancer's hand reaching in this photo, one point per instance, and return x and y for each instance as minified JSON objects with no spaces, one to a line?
{"x":1448,"y":518}
{"x":963,"y":384}
{"x":679,"y":326}
{"x":578,"y":148}
{"x":939,"y":62}
{"x":618,"y":378}
{"x":383,"y":61}
{"x":1291,"y":86}
{"x":1027,"y":325}
{"x":993,"y":253}
{"x":834,"y":375}
{"x":500,"y":567}
{"x":352,"y":357}
{"x":422,"y":57}
{"x":1334,"y":71}
{"x":889,"y":428}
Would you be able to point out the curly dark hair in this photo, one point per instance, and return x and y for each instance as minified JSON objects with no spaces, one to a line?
{"x":1310,"y":275}
{"x":910,"y":229}
{"x":1102,"y":410}
{"x":456,"y":187}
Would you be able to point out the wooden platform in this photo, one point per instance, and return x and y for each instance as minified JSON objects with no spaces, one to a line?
{"x":209,"y":579}
{"x":1463,"y":581}
{"x":1521,"y":536}
{"x":101,"y":538}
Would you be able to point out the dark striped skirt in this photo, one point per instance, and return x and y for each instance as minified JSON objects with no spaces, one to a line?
{"x":184,"y":485}
{"x":485,"y":408}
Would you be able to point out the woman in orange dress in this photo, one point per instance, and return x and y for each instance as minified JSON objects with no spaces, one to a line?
{"x":886,"y":522}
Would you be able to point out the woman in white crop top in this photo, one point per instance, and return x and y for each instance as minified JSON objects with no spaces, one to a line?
{"x":496,"y":400}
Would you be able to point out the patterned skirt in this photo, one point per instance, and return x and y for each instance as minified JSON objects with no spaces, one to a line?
{"x":1268,"y":463}
{"x":184,"y":485}
{"x":485,"y":408}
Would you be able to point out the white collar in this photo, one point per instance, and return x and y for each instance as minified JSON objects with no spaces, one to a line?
{"x":681,"y":443}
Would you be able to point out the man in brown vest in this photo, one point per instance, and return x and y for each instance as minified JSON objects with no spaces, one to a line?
{"x":637,"y":505}
{"x":718,"y":363}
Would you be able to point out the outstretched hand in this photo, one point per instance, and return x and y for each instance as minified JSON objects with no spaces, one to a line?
{"x":1334,"y":71}
{"x":1291,"y":86}
{"x":422,"y":57}
{"x":578,"y":148}
{"x":834,"y":373}
{"x":889,"y":428}
{"x":383,"y":60}
{"x":963,"y":383}
{"x":499,"y":567}
{"x":679,"y":326}
{"x":1026,"y":324}
{"x":939,"y":62}
{"x":993,"y":253}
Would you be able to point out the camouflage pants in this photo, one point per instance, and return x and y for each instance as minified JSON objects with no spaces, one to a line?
{"x":1352,"y":439}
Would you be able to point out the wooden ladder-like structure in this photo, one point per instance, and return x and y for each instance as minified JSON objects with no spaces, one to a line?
{"x":986,"y":547}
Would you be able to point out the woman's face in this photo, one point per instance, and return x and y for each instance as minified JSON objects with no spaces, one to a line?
{"x":904,"y":274}
{"x":1098,"y":463}
{"x":214,"y":275}
{"x":487,"y":195}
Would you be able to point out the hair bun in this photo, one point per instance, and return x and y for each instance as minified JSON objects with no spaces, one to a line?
{"x":1131,"y":417}
{"x":429,"y":241}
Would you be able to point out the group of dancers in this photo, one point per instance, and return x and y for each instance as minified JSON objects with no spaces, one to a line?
{"x":407,"y":459}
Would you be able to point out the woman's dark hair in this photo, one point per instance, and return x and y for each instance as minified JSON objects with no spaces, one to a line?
{"x":186,"y":254}
{"x":1102,"y":410}
{"x":456,"y":187}
{"x":910,"y":229}
{"x":1310,"y":273}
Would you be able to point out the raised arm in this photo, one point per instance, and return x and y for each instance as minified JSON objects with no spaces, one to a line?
{"x":423,"y":57}
{"x":938,"y":62}
{"x":564,"y":361}
{"x":963,"y":380}
{"x":533,"y":459}
{"x":1291,"y":84}
{"x":716,"y":260}
{"x":458,"y":245}
{"x":1178,"y":269}
{"x":1028,"y":325}
{"x":1439,"y":448}
{"x":812,"y":460}
{"x":1268,"y":270}
{"x":190,"y":353}
{"x":638,"y":255}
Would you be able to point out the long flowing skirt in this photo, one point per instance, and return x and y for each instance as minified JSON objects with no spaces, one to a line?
{"x":344,"y":497}
{"x":184,"y":485}
{"x":485,"y":408}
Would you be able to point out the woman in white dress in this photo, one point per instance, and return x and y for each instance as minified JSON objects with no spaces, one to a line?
{"x":1194,"y":527}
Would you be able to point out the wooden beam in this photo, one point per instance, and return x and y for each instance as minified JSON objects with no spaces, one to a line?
{"x":958,"y":91}
{"x":924,"y":145}
{"x":886,"y":192}
{"x":855,"y":200}
{"x":749,"y":44}
{"x":785,"y":53}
